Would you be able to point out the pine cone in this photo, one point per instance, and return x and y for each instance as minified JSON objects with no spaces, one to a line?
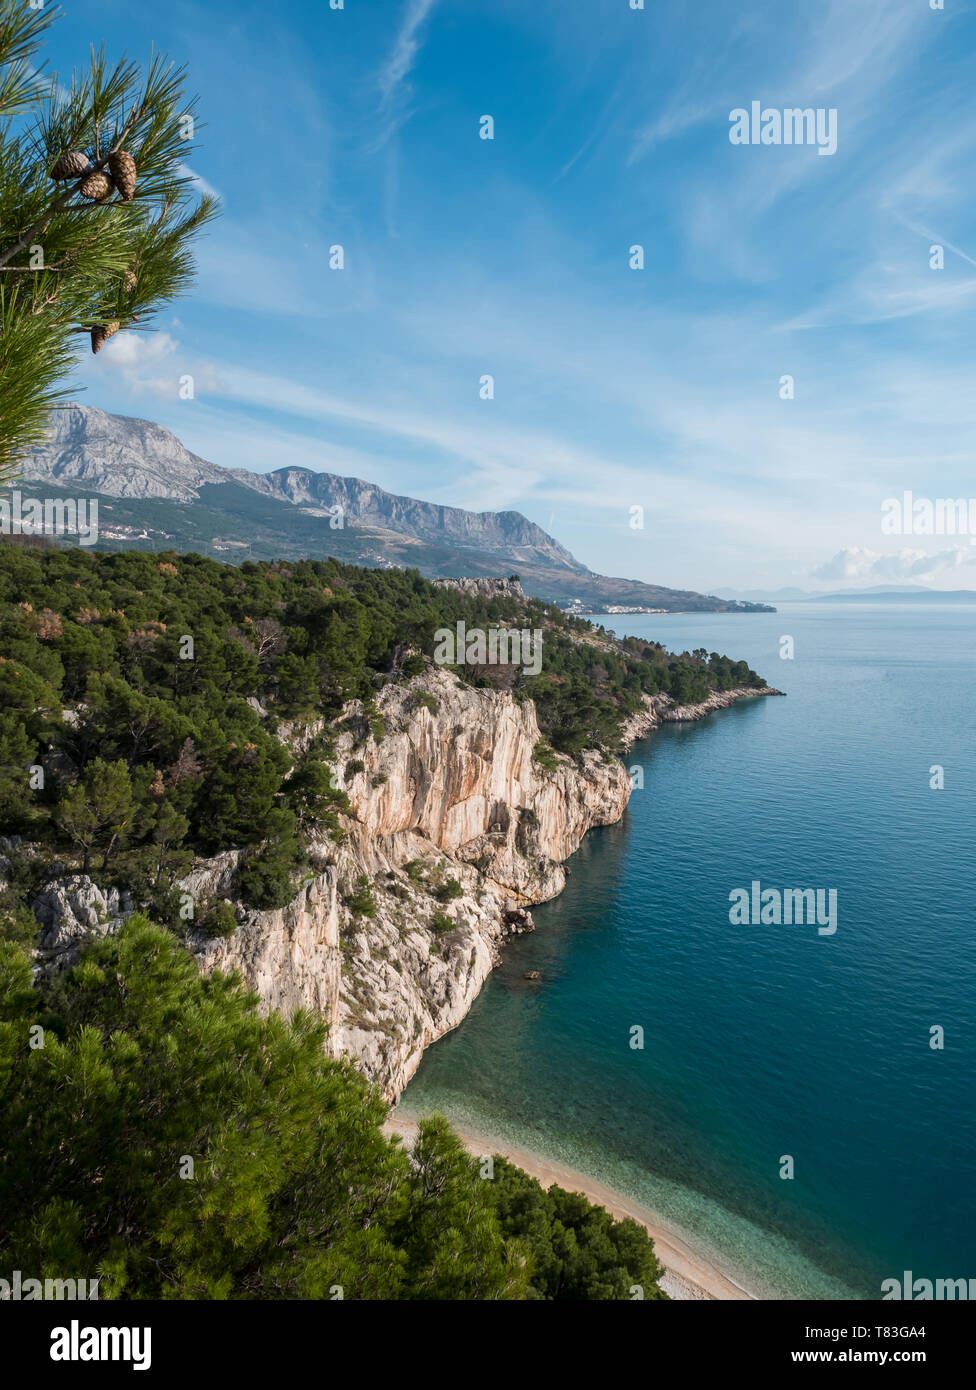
{"x":70,"y":165}
{"x":123,"y":170}
{"x":96,"y":188}
{"x":101,"y":334}
{"x":129,"y":281}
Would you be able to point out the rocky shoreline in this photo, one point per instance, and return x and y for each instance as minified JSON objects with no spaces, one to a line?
{"x":661,"y":709}
{"x":458,"y":831}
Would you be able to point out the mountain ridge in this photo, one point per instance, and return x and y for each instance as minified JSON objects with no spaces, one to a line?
{"x":166,"y":497}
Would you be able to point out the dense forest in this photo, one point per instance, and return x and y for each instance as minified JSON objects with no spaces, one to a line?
{"x":148,"y":690}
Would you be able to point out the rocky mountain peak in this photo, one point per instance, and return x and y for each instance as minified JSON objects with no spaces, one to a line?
{"x":118,"y":455}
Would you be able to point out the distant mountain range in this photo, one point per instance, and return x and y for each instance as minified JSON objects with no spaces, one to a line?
{"x":901,"y":596}
{"x":164,"y":497}
{"x":913,"y":593}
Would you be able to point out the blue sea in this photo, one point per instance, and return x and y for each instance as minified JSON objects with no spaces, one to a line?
{"x":763,"y":1043}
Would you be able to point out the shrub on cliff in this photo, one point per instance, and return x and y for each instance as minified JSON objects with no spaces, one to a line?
{"x":360,"y":900}
{"x":221,"y":920}
{"x":266,"y":876}
{"x":544,"y":755}
{"x":317,"y":798}
{"x":423,"y":699}
{"x":448,"y":891}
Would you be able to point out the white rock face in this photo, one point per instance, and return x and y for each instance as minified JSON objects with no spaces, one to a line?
{"x":464,"y":779}
{"x":452,"y":790}
{"x":119,"y":456}
{"x":290,"y":956}
{"x":211,"y":879}
{"x":485,"y":588}
{"x":68,"y":909}
{"x":719,"y":699}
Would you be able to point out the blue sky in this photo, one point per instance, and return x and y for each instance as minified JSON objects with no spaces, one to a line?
{"x":614,"y":388}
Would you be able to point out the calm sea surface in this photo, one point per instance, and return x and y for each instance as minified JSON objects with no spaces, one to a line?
{"x":766,"y":1041}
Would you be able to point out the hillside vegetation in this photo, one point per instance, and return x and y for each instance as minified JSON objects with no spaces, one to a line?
{"x":149,"y":689}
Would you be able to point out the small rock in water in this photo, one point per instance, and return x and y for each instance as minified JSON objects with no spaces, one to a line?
{"x":532,"y":975}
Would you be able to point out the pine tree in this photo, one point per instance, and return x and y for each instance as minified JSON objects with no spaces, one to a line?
{"x":157,"y":1132}
{"x":97,"y":213}
{"x":98,"y":811}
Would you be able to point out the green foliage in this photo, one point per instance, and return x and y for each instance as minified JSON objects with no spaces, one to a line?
{"x":361,"y":901}
{"x":69,"y":265}
{"x":19,"y":925}
{"x":448,"y":891}
{"x":221,"y":920}
{"x":441,"y":923}
{"x":266,"y":877}
{"x":99,"y":810}
{"x":413,"y":665}
{"x":422,"y":699}
{"x":315,"y":796}
{"x":544,"y":755}
{"x":576,"y":1250}
{"x":450,"y":1228}
{"x":294,"y":1191}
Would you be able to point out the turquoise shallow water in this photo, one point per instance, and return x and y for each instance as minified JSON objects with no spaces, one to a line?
{"x":764,"y":1041}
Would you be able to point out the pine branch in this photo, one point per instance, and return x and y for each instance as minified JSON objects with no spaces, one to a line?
{"x":61,"y":204}
{"x":116,"y":265}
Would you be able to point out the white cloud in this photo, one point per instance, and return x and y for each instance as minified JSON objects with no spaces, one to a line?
{"x":199,"y":182}
{"x":857,"y":562}
{"x":133,"y":351}
{"x":397,"y":67}
{"x":147,"y":363}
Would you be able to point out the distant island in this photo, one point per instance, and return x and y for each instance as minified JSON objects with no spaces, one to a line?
{"x":899,"y":596}
{"x":883,"y":593}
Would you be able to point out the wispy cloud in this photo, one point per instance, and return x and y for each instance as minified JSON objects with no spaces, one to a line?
{"x":199,"y":182}
{"x":398,"y":65}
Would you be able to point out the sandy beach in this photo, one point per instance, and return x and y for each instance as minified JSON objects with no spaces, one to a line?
{"x":687,"y":1274}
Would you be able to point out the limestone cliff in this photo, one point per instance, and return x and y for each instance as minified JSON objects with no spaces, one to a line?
{"x":454,"y":830}
{"x":450,"y":800}
{"x":458,"y":830}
